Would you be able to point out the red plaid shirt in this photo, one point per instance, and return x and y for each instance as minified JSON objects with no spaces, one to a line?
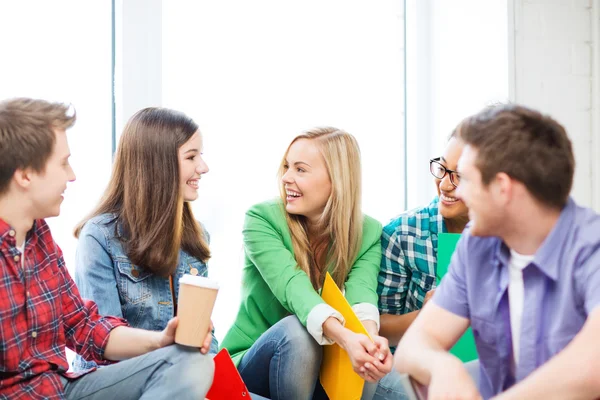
{"x":41,"y":312}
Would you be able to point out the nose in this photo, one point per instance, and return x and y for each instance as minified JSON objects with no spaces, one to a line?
{"x":71,"y":177}
{"x":287,"y":177}
{"x":446,"y":184}
{"x":202,"y":167}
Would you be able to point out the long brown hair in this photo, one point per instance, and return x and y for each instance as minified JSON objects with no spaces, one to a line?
{"x":342,"y":218}
{"x":145,"y":196}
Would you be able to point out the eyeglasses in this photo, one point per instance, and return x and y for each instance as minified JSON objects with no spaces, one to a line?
{"x":439,"y":171}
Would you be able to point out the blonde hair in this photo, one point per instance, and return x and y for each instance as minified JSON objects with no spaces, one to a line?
{"x":342,"y":218}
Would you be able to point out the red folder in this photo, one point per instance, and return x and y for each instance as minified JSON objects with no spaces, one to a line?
{"x":227,"y":383}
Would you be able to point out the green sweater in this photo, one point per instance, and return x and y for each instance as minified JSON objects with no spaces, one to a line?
{"x":273,"y":286}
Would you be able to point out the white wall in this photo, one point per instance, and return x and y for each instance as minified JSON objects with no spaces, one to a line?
{"x":553,"y":51}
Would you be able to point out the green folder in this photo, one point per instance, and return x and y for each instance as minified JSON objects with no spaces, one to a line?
{"x":464,"y":349}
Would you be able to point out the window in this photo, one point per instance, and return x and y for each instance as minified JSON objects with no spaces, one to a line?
{"x":256,"y":74}
{"x":61,"y":51}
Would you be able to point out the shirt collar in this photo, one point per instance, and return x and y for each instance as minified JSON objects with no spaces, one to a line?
{"x":6,"y":230}
{"x":548,"y":255}
{"x":436,"y":221}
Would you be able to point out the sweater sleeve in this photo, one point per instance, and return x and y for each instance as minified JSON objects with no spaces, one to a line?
{"x":264,"y":246}
{"x":361,"y":285}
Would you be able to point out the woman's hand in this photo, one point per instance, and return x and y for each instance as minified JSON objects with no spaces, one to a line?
{"x":361,"y":351}
{"x":206,"y":345}
{"x":383,"y":359}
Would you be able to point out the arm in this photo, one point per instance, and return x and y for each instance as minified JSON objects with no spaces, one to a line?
{"x":393,"y":280}
{"x":265,"y":248}
{"x":423,"y":350}
{"x":361,"y":292}
{"x":95,"y":271}
{"x":556,"y":379}
{"x":393,"y":327}
{"x":426,"y":343}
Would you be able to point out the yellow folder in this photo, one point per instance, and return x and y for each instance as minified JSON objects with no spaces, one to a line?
{"x":337,"y":376}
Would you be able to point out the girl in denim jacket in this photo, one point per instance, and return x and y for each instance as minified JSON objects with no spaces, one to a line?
{"x":143,"y":237}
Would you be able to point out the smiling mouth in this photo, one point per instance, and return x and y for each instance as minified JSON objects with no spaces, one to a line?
{"x":292,"y":195}
{"x":193,"y":183}
{"x":448,"y":199}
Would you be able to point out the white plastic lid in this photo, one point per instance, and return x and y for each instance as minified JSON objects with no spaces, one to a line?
{"x":199,"y":281}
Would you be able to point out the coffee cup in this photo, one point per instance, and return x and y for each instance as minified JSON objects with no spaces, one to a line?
{"x":195,"y":303}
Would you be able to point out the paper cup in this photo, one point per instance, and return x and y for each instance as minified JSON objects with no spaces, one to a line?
{"x":195,"y":303}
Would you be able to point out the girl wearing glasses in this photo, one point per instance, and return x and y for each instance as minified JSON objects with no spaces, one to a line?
{"x":407,"y":277}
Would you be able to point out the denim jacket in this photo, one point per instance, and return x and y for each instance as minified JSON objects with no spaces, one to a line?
{"x":104,"y":274}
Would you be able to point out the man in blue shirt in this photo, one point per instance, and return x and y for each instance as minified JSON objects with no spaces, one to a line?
{"x":525,"y":274}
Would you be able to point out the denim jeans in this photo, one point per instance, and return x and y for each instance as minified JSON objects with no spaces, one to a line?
{"x":283,"y":363}
{"x":390,"y":386}
{"x":173,"y":372}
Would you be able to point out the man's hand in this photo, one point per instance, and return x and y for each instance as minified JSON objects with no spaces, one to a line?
{"x":167,"y":335}
{"x":450,"y":380}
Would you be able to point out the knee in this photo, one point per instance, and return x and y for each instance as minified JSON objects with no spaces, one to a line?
{"x":195,"y":371}
{"x":297,"y":339}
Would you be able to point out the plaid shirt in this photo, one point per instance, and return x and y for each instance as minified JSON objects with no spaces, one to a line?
{"x":408,"y":265}
{"x":41,"y":312}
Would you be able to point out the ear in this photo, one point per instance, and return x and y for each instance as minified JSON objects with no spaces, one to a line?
{"x":22,"y":177}
{"x":503,"y":187}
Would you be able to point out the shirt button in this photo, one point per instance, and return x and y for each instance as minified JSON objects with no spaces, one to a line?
{"x":17,"y":258}
{"x":33,"y":334}
{"x":28,"y":295}
{"x":11,"y":232}
{"x":135,"y":273}
{"x":194,"y":271}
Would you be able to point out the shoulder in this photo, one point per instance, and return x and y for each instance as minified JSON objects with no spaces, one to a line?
{"x":273,"y":207}
{"x":479,"y":249}
{"x":44,"y":236}
{"x":271,"y":211}
{"x":584,"y":238}
{"x":204,"y":230}
{"x":371,"y":229}
{"x":419,"y":222}
{"x":100,"y":227}
{"x":100,"y":223}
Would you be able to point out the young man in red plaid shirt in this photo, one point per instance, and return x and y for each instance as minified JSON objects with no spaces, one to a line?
{"x":41,"y":311}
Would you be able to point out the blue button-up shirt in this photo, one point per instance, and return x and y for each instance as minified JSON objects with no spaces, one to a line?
{"x":562,"y":287}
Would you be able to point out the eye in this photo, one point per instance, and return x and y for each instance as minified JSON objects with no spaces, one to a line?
{"x":191,"y":158}
{"x":286,"y":167}
{"x":300,"y":169}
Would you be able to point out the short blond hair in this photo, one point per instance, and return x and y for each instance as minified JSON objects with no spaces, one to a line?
{"x":27,"y":134}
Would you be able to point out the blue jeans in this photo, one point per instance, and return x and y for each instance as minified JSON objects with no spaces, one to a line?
{"x":283,"y":363}
{"x":173,"y":372}
{"x":390,"y":386}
